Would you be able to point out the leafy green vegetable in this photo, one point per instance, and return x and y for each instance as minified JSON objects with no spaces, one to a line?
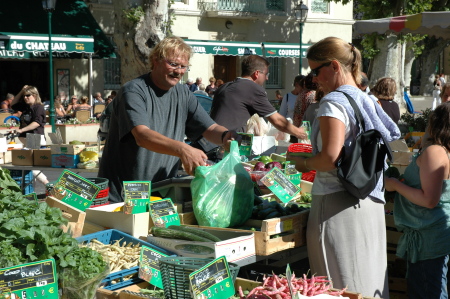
{"x":30,"y":231}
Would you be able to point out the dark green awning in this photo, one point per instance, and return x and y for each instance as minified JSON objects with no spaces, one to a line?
{"x":71,"y":18}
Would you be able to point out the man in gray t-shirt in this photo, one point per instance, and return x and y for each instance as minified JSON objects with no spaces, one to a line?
{"x":151,"y":115}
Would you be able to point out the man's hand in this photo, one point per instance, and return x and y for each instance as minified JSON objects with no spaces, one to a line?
{"x":191,"y":158}
{"x":230,"y":136}
{"x":301,"y":134}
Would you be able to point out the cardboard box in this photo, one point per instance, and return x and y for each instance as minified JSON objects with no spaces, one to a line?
{"x":3,"y":145}
{"x":22,"y":157}
{"x":66,"y":149}
{"x":399,"y":146}
{"x":133,"y":224}
{"x":237,"y":245}
{"x":402,"y":158}
{"x":42,"y":157}
{"x":65,"y":161}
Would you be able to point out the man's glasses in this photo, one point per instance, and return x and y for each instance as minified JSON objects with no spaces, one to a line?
{"x":177,"y":66}
{"x":315,"y":72}
{"x":265,"y":74}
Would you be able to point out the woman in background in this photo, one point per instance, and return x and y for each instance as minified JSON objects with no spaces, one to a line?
{"x":422,"y":211}
{"x":288,"y":102}
{"x":211,"y":88}
{"x":384,"y":90}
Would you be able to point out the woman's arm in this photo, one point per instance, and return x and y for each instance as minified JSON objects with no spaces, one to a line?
{"x":69,"y":108}
{"x":19,"y":95}
{"x":434,"y":168}
{"x":332,"y":131}
{"x":30,"y":127}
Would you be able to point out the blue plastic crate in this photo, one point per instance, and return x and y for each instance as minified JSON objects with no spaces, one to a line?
{"x":110,"y":236}
{"x":16,"y":175}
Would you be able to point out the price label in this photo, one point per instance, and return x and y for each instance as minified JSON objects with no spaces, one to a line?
{"x":149,"y":266}
{"x":212,"y":281}
{"x":280,"y":184}
{"x":75,"y":190}
{"x":32,"y":280}
{"x":136,"y":195}
{"x":163,"y":213}
{"x":31,"y":196}
{"x":245,"y":148}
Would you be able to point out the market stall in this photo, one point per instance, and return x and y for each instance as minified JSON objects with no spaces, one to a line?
{"x":156,"y":241}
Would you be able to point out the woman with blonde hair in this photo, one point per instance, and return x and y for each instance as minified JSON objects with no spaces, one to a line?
{"x":346,"y":235}
{"x":384,"y":90}
{"x":32,"y":119}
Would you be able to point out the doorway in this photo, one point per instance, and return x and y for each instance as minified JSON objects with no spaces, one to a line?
{"x":225,"y":67}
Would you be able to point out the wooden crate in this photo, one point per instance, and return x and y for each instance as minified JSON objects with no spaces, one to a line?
{"x":292,"y":231}
{"x":76,"y":217}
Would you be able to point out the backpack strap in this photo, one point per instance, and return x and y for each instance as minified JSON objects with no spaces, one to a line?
{"x":355,"y":107}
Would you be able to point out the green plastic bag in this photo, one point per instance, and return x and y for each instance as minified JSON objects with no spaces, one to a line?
{"x":222,"y":194}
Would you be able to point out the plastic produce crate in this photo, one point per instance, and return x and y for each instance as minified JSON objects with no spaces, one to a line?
{"x":110,"y":236}
{"x":175,"y":274}
{"x":16,"y":175}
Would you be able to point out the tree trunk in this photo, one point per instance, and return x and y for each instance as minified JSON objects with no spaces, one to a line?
{"x":430,"y":59}
{"x":409,"y":60}
{"x":135,"y":40}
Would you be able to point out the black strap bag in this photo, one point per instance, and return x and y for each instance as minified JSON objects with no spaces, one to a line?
{"x":360,"y":170}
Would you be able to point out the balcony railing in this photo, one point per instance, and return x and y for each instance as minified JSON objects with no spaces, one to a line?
{"x":245,"y":6}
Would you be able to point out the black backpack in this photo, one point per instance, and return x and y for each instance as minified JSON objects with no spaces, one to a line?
{"x":360,"y":171}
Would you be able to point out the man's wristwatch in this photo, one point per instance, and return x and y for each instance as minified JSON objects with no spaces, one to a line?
{"x":223,"y":135}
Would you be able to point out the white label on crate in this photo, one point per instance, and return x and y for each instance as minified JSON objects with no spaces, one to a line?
{"x":283,"y":226}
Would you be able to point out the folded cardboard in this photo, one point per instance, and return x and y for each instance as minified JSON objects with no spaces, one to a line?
{"x":42,"y":157}
{"x":236,"y":245}
{"x":399,"y":145}
{"x":22,"y":157}
{"x":66,"y":149}
{"x":133,"y":224}
{"x":263,"y":145}
{"x":401,"y":158}
{"x":65,"y":161}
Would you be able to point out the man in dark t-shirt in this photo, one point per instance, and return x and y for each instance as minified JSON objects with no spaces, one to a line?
{"x":150,"y":117}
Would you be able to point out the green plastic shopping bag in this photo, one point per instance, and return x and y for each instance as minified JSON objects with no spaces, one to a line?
{"x":222,"y":194}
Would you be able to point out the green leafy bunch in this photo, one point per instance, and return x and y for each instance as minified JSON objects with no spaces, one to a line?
{"x":417,"y":121}
{"x":31,"y":231}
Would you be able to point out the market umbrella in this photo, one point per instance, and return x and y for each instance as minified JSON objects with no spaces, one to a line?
{"x":432,"y":23}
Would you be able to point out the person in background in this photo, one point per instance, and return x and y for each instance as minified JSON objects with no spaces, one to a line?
{"x":98,"y":98}
{"x":33,"y":115}
{"x":311,"y":111}
{"x":6,"y":104}
{"x":201,"y":90}
{"x":113,"y":94}
{"x":288,"y":101}
{"x":195,"y":86}
{"x":422,"y":211}
{"x":151,"y":116}
{"x":72,"y":105}
{"x":219,"y":83}
{"x":278,"y":96}
{"x":304,"y":99}
{"x":189,"y":82}
{"x":59,"y":109}
{"x":384,"y":90}
{"x":32,"y":119}
{"x":442,"y":78}
{"x":211,"y":88}
{"x":437,"y":85}
{"x":342,"y":242}
{"x":445,"y":97}
{"x":83,"y":105}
